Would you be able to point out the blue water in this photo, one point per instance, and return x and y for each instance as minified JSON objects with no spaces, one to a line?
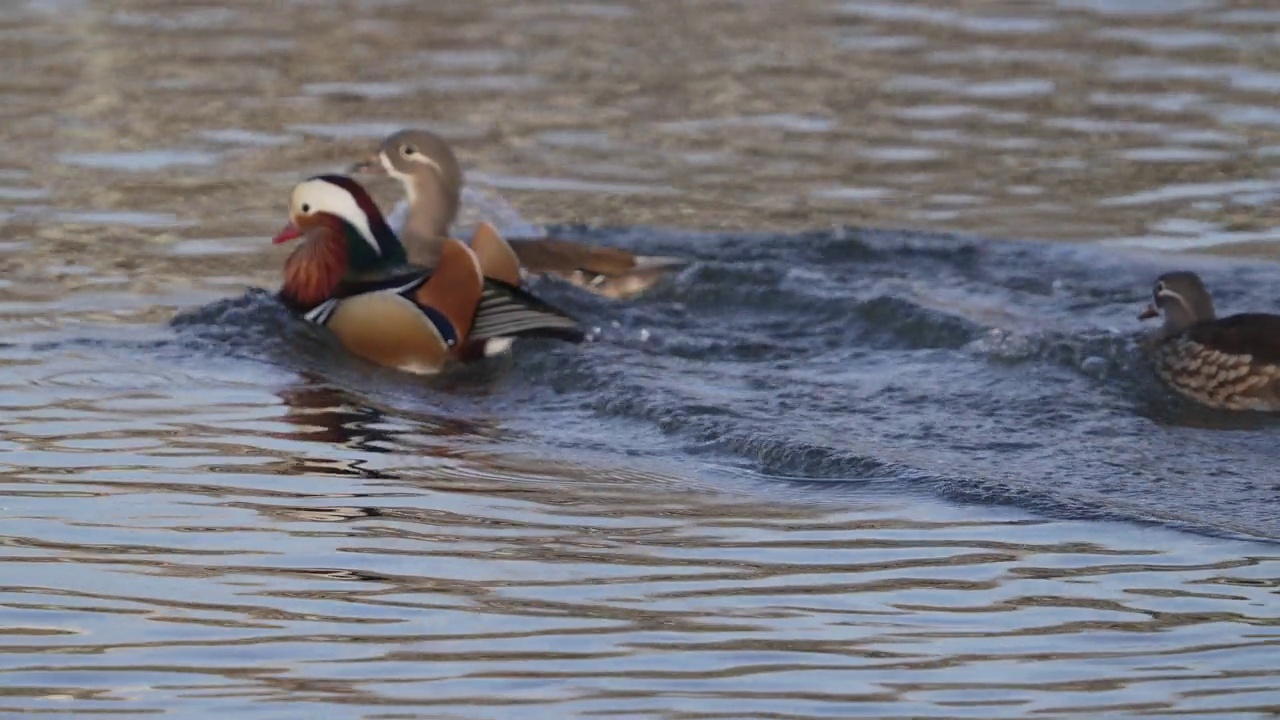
{"x":964,"y":369}
{"x":833,"y":474}
{"x":823,"y":474}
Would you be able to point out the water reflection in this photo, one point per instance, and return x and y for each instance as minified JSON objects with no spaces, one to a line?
{"x":1114,"y":100}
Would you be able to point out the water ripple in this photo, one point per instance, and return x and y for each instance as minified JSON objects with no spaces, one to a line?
{"x":837,"y":473}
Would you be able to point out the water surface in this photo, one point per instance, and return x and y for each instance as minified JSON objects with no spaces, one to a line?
{"x":825,"y":472}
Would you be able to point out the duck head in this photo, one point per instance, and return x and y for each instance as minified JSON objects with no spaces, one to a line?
{"x":1182,"y":298}
{"x":343,"y":234}
{"x":432,"y":178}
{"x":327,"y":208}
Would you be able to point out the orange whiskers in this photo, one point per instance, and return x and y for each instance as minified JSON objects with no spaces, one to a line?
{"x":314,"y":270}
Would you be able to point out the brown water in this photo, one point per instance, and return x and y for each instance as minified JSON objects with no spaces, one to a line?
{"x":676,"y":522}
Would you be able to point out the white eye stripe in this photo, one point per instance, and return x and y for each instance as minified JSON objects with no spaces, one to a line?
{"x":404,"y":179}
{"x":423,"y":159}
{"x":322,"y":196}
{"x":386,"y":165}
{"x":1166,"y":294}
{"x":417,"y":157}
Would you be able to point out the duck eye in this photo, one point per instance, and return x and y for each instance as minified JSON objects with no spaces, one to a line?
{"x":305,"y":208}
{"x":408,"y":150}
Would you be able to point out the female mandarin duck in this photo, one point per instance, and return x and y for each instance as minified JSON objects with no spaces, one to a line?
{"x":432,"y":179}
{"x":1230,"y":363}
{"x":351,"y":275}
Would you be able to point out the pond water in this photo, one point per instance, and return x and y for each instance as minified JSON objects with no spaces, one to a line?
{"x":887,"y":448}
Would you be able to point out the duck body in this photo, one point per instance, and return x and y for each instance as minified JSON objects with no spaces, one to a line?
{"x":432,"y":178}
{"x":606,"y":271}
{"x":418,"y":325}
{"x":1230,"y":363}
{"x":350,"y":275}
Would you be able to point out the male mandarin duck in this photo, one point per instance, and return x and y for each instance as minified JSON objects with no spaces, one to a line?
{"x":432,"y":179}
{"x":351,"y":275}
{"x":1230,"y":363}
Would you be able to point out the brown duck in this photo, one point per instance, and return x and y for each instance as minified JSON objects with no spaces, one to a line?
{"x":1230,"y":363}
{"x":432,"y":179}
{"x":351,"y":275}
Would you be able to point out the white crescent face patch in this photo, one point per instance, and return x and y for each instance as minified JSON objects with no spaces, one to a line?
{"x":403,"y":178}
{"x":1166,"y":294}
{"x":313,"y":196}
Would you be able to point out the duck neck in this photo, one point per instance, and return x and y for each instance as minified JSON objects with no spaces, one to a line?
{"x":1180,"y":315}
{"x":432,"y":209}
{"x":363,"y":258}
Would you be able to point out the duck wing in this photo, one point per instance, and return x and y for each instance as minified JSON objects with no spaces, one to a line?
{"x":1255,"y":334}
{"x":506,"y":310}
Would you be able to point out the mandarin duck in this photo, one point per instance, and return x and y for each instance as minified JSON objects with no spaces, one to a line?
{"x":351,"y":275}
{"x":432,"y":178}
{"x":1230,"y":363}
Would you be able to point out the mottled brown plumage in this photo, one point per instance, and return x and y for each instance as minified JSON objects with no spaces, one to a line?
{"x":1230,"y":363}
{"x":432,"y":178}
